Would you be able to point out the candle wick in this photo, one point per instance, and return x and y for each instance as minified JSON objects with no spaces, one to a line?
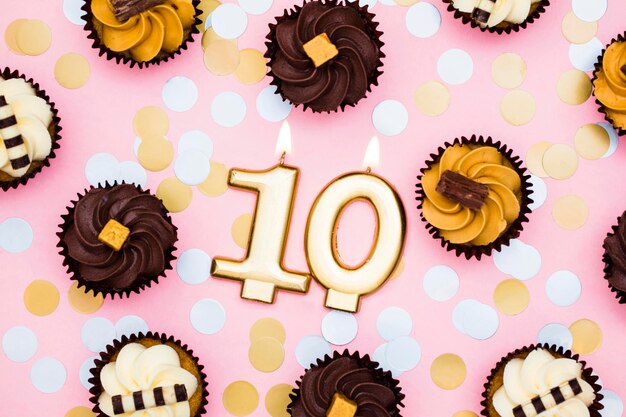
{"x":282,"y":158}
{"x":368,"y":170}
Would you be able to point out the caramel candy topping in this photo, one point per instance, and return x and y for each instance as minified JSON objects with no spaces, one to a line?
{"x":114,"y":234}
{"x":341,"y":406}
{"x":463,"y":190}
{"x":125,"y":9}
{"x":320,"y":49}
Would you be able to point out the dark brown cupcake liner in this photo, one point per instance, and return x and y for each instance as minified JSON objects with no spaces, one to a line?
{"x":7,"y":74}
{"x":72,"y":265}
{"x":587,"y":375}
{"x":514,"y":229}
{"x":505,"y":29}
{"x":372,"y":30}
{"x":112,"y":349}
{"x":621,"y":131}
{"x":608,"y":266}
{"x":125,"y":59}
{"x":380,"y":375}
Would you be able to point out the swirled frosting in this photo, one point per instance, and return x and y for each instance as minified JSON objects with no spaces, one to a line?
{"x":34,"y":117}
{"x":536,"y":375}
{"x":138,"y":368}
{"x":344,"y":79}
{"x":497,"y":12}
{"x":143,"y":255}
{"x":615,"y":249}
{"x":458,"y":224}
{"x":610,"y":85}
{"x":374,"y":398}
{"x":144,"y":36}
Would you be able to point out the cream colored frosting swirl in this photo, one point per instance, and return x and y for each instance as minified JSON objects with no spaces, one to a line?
{"x":138,"y":368}
{"x":610,"y":85}
{"x":500,"y":11}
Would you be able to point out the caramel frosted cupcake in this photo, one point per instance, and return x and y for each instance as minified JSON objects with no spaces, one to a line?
{"x":474,"y":196}
{"x":541,"y":381}
{"x":148,"y":375}
{"x":615,"y":259}
{"x":117,"y":240}
{"x":325,"y":55}
{"x":609,"y":83}
{"x":141,"y":32}
{"x":29,"y":129}
{"x":346,"y":385}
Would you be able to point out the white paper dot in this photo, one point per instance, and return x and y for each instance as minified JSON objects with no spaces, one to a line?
{"x":129,"y":325}
{"x":311,"y":348}
{"x":73,"y":12}
{"x":255,"y":7}
{"x":589,"y":10}
{"x":394,"y":322}
{"x":461,"y":310}
{"x":228,"y":109}
{"x":369,"y":3}
{"x":518,"y":259}
{"x":136,"y":144}
{"x":423,"y":20}
{"x":613,"y":404}
{"x":380,"y":355}
{"x":481,"y":322}
{"x":441,"y":283}
{"x":83,"y":371}
{"x":196,"y":140}
{"x":132,"y":172}
{"x":97,"y":333}
{"x":208,"y":316}
{"x":229,"y":20}
{"x":540,"y":192}
{"x":19,"y":344}
{"x":613,"y":139}
{"x":339,"y":327}
{"x":390,"y":117}
{"x":16,"y":235}
{"x":194,"y":266}
{"x":180,"y":93}
{"x":563,"y":288}
{"x":192,"y":167}
{"x":271,"y":106}
{"x":584,"y":56}
{"x":455,"y":66}
{"x":102,"y":168}
{"x":388,"y":2}
{"x":48,"y":375}
{"x":556,"y":334}
{"x":403,"y":353}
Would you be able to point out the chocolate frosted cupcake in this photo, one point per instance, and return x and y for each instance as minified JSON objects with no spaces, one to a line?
{"x":29,"y":129}
{"x":324,"y":55}
{"x":346,"y":385}
{"x":141,"y":32}
{"x":615,"y":259}
{"x":541,"y":381}
{"x":474,"y":196}
{"x":609,"y":83}
{"x":117,"y":240}
{"x":152,"y":373}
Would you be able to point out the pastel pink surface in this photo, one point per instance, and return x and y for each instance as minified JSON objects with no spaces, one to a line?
{"x":98,"y":118}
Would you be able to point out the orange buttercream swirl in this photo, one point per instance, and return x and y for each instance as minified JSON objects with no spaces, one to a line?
{"x":458,"y":224}
{"x":610,"y":85}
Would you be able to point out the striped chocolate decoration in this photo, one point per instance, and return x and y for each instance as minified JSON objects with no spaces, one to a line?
{"x":557,"y":395}
{"x":11,"y":136}
{"x":482,"y":11}
{"x":161,"y":396}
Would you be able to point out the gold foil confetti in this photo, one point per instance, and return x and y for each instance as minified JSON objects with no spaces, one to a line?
{"x":465,"y":413}
{"x":33,"y":37}
{"x":241,"y":230}
{"x":518,"y":107}
{"x":578,"y":31}
{"x":448,"y":371}
{"x":560,"y":161}
{"x":266,"y":354}
{"x":221,"y":57}
{"x":240,"y":398}
{"x":155,"y":154}
{"x":217,"y":182}
{"x":534,"y":158}
{"x":432,"y":98}
{"x":511,"y":297}
{"x":151,"y":121}
{"x":85,"y":303}
{"x":574,"y":87}
{"x":80,"y":412}
{"x":570,"y":212}
{"x":406,"y":3}
{"x":509,"y":70}
{"x":587,"y":336}
{"x":268,"y":327}
{"x":10,"y":36}
{"x":72,"y":71}
{"x":41,"y":297}
{"x":210,"y":36}
{"x":176,"y":196}
{"x":592,"y":141}
{"x":252,"y":67}
{"x":277,"y":400}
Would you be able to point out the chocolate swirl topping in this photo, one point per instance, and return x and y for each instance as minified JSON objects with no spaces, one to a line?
{"x":615,"y":253}
{"x":344,"y":79}
{"x":144,"y":255}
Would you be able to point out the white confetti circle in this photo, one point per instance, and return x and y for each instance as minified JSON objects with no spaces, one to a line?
{"x":180,"y":94}
{"x":208,"y":316}
{"x":423,"y":20}
{"x":255,"y":7}
{"x":394,"y":322}
{"x":339,"y":327}
{"x":192,"y":167}
{"x":48,"y":375}
{"x":129,"y":325}
{"x":390,"y":117}
{"x":403,"y":353}
{"x":194,"y":266}
{"x":16,"y":235}
{"x":136,"y":144}
{"x":196,"y":140}
{"x":228,"y":109}
{"x":585,"y":55}
{"x":613,"y":404}
{"x":441,"y":283}
{"x":540,"y":192}
{"x":271,"y":106}
{"x":73,"y":12}
{"x":102,"y":168}
{"x":481,"y":322}
{"x":19,"y":344}
{"x":556,"y":334}
{"x":455,"y":66}
{"x":563,"y":288}
{"x":83,"y":371}
{"x":518,"y":259}
{"x":460,"y":311}
{"x":132,"y":172}
{"x":97,"y":333}
{"x":589,"y":10}
{"x":380,"y":355}
{"x":229,"y":20}
{"x":311,"y":348}
{"x":613,"y":139}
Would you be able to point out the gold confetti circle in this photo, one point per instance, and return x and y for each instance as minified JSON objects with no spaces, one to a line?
{"x":570,"y":212}
{"x":155,"y":154}
{"x":217,"y":182}
{"x":277,"y":399}
{"x":33,"y":37}
{"x":587,"y":336}
{"x":211,"y":36}
{"x":80,"y":412}
{"x":268,"y":327}
{"x":592,"y":141}
{"x":406,"y":3}
{"x":576,"y":30}
{"x":221,"y":57}
{"x":465,"y":413}
{"x":83,"y":302}
{"x":176,"y":196}
{"x":448,"y":371}
{"x":518,"y":107}
{"x":72,"y":71}
{"x":252,"y":67}
{"x":560,"y":161}
{"x":206,"y":7}
{"x":432,"y":98}
{"x":151,"y":121}
{"x":509,"y":70}
{"x":240,"y":398}
{"x":241,"y":230}
{"x":574,"y":87}
{"x":511,"y":297}
{"x":41,"y":297}
{"x":10,"y":36}
{"x":266,"y":354}
{"x":399,"y":269}
{"x":534,"y":158}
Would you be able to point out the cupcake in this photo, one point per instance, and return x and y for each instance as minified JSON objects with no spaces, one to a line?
{"x":141,"y":32}
{"x":29,"y":129}
{"x":324,"y":55}
{"x":148,"y":375}
{"x":474,"y":196}
{"x":541,"y":381}
{"x":117,"y":239}
{"x":499,"y":16}
{"x":615,"y":259}
{"x":346,"y":385}
{"x":609,"y":83}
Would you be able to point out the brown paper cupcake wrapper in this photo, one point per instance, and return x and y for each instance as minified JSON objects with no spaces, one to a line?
{"x":587,"y":375}
{"x":514,"y":229}
{"x":372,"y":30}
{"x":502,"y":28}
{"x":124,"y":58}
{"x":621,"y":131}
{"x":7,"y":74}
{"x":118,"y":344}
{"x":608,"y":268}
{"x":380,"y":375}
{"x":97,"y":288}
